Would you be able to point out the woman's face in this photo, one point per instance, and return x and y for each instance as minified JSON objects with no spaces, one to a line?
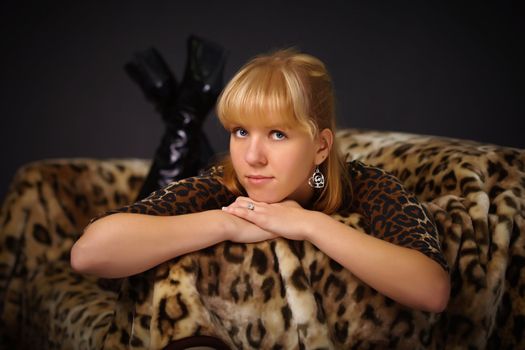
{"x":274,"y":163}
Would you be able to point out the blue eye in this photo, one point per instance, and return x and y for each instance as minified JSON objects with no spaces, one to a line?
{"x":240,"y":132}
{"x":278,"y":135}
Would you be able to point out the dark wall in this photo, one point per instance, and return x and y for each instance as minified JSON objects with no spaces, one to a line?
{"x":454,"y":70}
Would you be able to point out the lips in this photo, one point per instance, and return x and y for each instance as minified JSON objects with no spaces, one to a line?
{"x":258,"y":179}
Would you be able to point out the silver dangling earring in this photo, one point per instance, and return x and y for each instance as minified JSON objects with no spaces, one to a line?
{"x":317,"y":179}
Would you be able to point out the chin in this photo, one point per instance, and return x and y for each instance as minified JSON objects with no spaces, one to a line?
{"x":265,"y":198}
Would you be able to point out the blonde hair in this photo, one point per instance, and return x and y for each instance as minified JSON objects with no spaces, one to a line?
{"x":297,"y":89}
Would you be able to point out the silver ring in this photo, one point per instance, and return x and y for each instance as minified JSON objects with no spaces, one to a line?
{"x":250,"y":206}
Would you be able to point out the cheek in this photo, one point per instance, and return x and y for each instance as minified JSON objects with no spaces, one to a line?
{"x":298,"y":163}
{"x":235,"y":154}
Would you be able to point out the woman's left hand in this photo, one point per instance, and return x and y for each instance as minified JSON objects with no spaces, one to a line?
{"x":286,"y":219}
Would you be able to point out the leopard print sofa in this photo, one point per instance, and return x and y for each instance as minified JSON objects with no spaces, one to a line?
{"x":278,"y":294}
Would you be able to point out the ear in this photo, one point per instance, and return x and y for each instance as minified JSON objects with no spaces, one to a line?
{"x":325,"y":140}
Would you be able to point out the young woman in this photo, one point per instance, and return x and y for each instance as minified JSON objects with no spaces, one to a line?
{"x":284,"y":177}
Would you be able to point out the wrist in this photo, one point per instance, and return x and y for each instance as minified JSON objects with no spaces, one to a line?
{"x":226,"y":225}
{"x":311,"y":225}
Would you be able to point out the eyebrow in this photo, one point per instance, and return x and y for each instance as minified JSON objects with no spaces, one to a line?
{"x":278,"y":127}
{"x":270,"y":126}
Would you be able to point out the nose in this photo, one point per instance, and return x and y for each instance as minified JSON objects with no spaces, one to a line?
{"x":255,"y":153}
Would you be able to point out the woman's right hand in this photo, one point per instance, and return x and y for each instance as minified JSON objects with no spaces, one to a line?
{"x":242,"y":231}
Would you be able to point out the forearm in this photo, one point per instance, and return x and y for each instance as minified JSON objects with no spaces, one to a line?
{"x":124,"y":244}
{"x":403,"y":274}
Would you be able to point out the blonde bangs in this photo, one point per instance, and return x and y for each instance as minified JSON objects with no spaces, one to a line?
{"x":262,"y":95}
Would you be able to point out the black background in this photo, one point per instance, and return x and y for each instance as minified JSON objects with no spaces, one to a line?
{"x":452,"y":69}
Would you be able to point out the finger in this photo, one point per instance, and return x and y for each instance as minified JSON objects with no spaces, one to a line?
{"x":242,"y":199}
{"x":242,"y":205}
{"x":244,"y":202}
{"x":241,"y":212}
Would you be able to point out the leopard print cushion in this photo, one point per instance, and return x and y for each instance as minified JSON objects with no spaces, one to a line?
{"x":275,"y":294}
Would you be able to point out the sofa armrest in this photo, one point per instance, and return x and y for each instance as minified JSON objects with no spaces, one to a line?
{"x":47,"y":205}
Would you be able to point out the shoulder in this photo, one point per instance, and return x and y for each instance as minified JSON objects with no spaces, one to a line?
{"x":364,"y":172}
{"x":209,"y":181}
{"x":364,"y":179}
{"x":193,"y":194}
{"x":394,"y":213}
